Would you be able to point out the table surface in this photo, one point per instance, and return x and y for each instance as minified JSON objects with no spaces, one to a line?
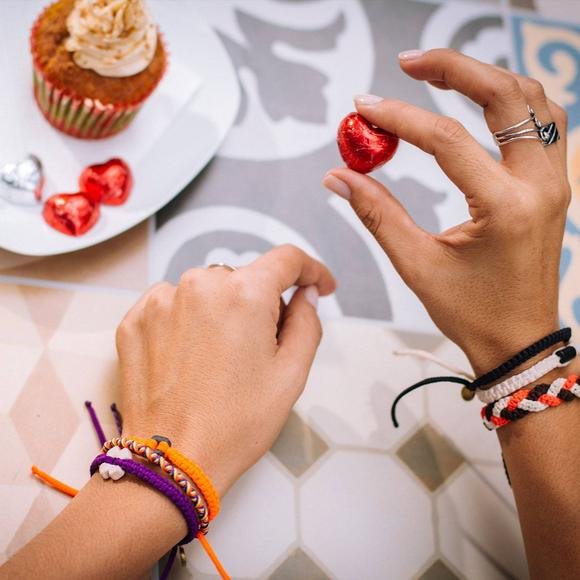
{"x":429,"y":500}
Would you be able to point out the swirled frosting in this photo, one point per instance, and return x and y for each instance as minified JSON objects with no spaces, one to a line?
{"x":115,"y":38}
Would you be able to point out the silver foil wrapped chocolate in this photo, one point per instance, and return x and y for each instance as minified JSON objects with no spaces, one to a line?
{"x":21,"y":183}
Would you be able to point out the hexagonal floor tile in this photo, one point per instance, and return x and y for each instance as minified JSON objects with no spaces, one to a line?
{"x":438,"y":571}
{"x":457,"y":419}
{"x":478,"y":530}
{"x":298,"y":446}
{"x":298,"y":565}
{"x":430,"y":456}
{"x":257,"y":524}
{"x":353,"y":383}
{"x":363,"y":516}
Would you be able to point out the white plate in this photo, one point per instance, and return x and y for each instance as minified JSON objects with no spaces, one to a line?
{"x":172,"y":138}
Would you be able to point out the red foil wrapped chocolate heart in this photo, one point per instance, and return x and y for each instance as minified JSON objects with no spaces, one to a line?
{"x":363,"y":146}
{"x":109,"y":183}
{"x":71,"y":213}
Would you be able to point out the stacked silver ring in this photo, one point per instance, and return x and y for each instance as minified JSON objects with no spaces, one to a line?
{"x":546,"y":134}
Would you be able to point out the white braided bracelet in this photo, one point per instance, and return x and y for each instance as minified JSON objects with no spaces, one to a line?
{"x":559,"y":358}
{"x":560,"y":391}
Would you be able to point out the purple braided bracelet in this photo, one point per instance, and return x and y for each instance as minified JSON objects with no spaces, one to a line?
{"x":158,"y":482}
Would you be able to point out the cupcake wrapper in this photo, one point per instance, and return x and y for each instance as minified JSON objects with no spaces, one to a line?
{"x":82,"y":118}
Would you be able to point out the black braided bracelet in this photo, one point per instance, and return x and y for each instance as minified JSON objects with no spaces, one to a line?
{"x":562,"y":335}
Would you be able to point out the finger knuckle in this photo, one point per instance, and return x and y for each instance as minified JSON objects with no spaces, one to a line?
{"x":125,"y":332}
{"x":446,"y":52}
{"x":450,"y":130}
{"x":533,"y":89}
{"x":243,"y":293}
{"x":506,"y":88}
{"x":524,"y":212}
{"x":191,"y":278}
{"x":290,"y":250}
{"x":156,"y":301}
{"x":372,"y":219}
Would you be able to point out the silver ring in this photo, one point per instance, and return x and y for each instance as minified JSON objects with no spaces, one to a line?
{"x":546,"y":134}
{"x":549,"y":133}
{"x":222,"y":265}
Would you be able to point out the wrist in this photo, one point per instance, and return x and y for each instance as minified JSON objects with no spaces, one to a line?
{"x":192,"y":444}
{"x":485,"y":354}
{"x":572,"y":369}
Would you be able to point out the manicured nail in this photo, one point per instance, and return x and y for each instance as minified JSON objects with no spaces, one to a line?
{"x":337,"y":186}
{"x":311,"y":294}
{"x":367,"y":100}
{"x":411,"y":54}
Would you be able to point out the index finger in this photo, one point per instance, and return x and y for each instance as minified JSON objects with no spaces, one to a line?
{"x":287,"y":266}
{"x":495,"y":90}
{"x":460,"y":156}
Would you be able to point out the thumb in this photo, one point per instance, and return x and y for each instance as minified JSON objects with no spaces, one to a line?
{"x":299,"y":336}
{"x":404,"y":242}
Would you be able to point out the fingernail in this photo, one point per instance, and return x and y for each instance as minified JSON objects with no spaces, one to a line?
{"x":337,"y":186}
{"x":311,"y":294}
{"x":367,"y":100}
{"x":411,"y":54}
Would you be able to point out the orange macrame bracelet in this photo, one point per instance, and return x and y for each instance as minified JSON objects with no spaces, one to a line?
{"x":191,"y":469}
{"x":156,"y":457}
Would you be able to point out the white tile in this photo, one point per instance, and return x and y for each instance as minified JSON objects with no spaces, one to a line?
{"x":478,"y":531}
{"x":363,"y":516}
{"x":257,"y":523}
{"x":458,"y":419}
{"x":353,"y":383}
{"x":496,"y":477}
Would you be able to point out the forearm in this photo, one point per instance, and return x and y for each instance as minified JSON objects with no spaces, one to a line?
{"x":542,"y":455}
{"x":109,"y":530}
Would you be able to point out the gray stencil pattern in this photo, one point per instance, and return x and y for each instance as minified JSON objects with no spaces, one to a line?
{"x":287,"y":89}
{"x":289,"y":189}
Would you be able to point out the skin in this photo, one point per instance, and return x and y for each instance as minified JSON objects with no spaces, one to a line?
{"x":491,"y":283}
{"x":203,"y":363}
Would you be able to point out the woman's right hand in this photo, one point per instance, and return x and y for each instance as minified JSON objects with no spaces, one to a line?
{"x":491,"y":283}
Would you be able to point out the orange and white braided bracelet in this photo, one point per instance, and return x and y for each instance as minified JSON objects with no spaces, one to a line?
{"x":530,"y":400}
{"x":156,"y":457}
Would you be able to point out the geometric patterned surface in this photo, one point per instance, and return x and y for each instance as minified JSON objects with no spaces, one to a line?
{"x":298,"y":446}
{"x":298,"y":565}
{"x":342,"y":494}
{"x":438,"y":571}
{"x":430,"y":456}
{"x":337,"y":448}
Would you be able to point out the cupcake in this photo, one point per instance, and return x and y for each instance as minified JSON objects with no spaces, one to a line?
{"x":95,"y":63}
